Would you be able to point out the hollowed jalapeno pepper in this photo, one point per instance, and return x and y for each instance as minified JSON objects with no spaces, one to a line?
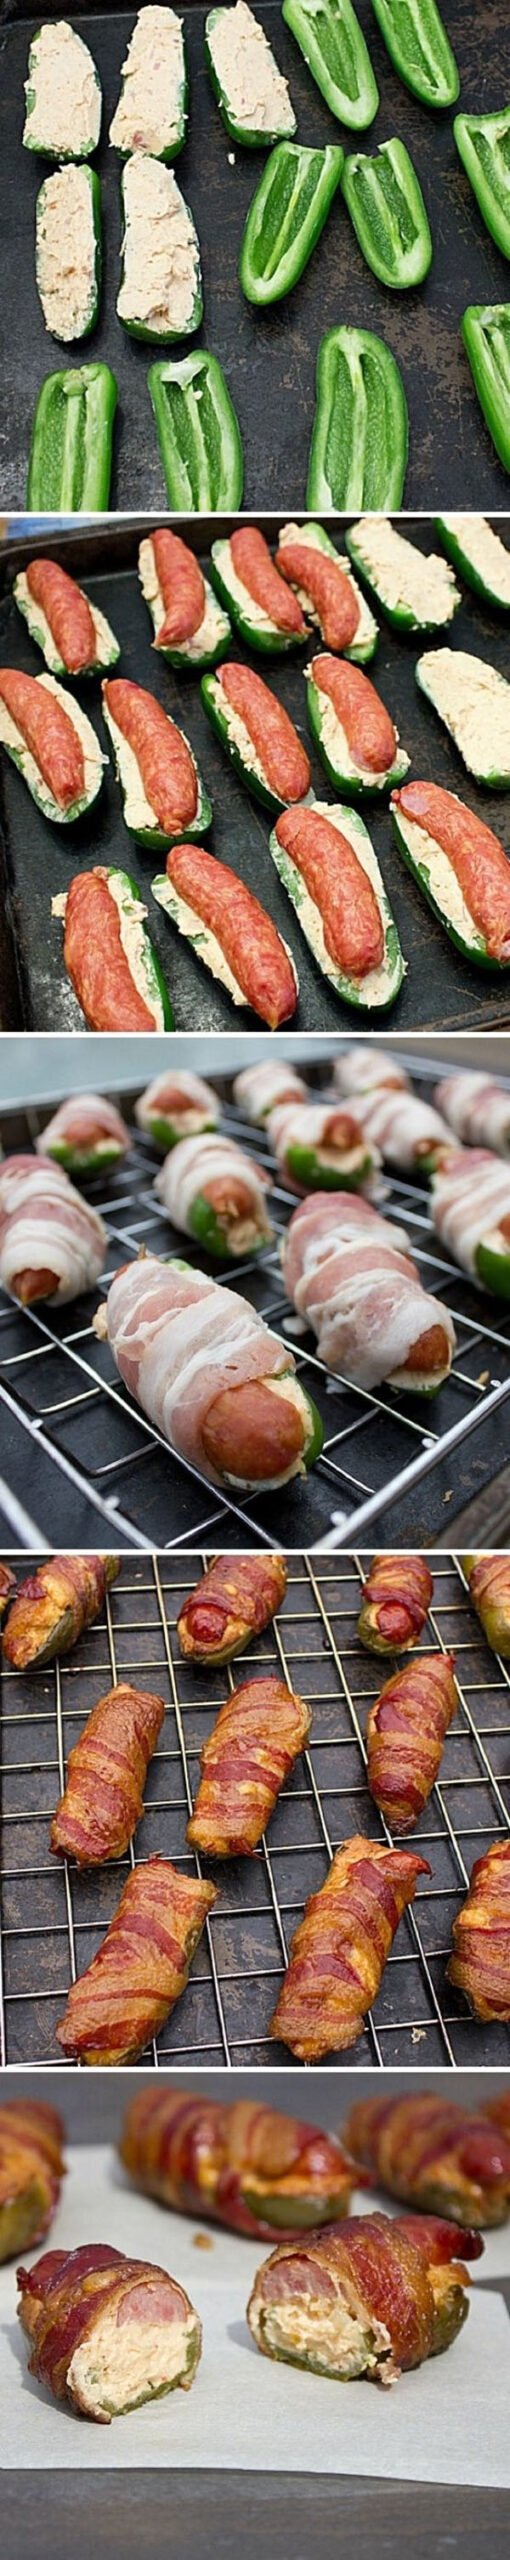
{"x":358,"y":452}
{"x":485,"y":329}
{"x":385,"y":202}
{"x":198,"y":435}
{"x":70,"y":463}
{"x":286,"y":217}
{"x":419,"y":49}
{"x":483,"y":144}
{"x":330,"y":37}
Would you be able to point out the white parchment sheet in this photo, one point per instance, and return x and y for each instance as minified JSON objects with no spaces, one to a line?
{"x":447,"y":2422}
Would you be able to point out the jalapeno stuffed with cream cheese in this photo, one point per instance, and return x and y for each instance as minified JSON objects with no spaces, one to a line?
{"x":46,"y":734}
{"x":320,"y":1148}
{"x":162,"y":790}
{"x":62,"y":95}
{"x":73,"y":635}
{"x":286,"y":217}
{"x":52,"y":1243}
{"x":258,"y":1090}
{"x":140,"y":1969}
{"x":69,"y":206}
{"x":160,"y":295}
{"x":102,"y":1800}
{"x":340,"y":1949}
{"x":217,"y":1385}
{"x":354,"y":734}
{"x":229,"y":932}
{"x":367,"y":2300}
{"x":406,"y":1730}
{"x":54,"y":1606}
{"x":263,"y":609}
{"x":461,"y":867}
{"x":32,"y":2167}
{"x":327,"y":591}
{"x":488,"y":1579}
{"x":360,"y":435}
{"x":246,"y":2165}
{"x":477,"y":1109}
{"x":327,"y":864}
{"x":412,"y":1137}
{"x":212,"y":1191}
{"x":71,"y":449}
{"x":389,"y":216}
{"x":416,"y":591}
{"x":151,"y":113}
{"x":252,"y":95}
{"x":177,"y":1105}
{"x":350,"y":1274}
{"x":244,"y":1762}
{"x":395,"y":1599}
{"x":480,"y":1963}
{"x":472,"y":699}
{"x":189,"y":626}
{"x":329,"y":36}
{"x":257,"y":734}
{"x":433,"y":2156}
{"x":479,"y":555}
{"x":109,"y":958}
{"x":235,"y":1600}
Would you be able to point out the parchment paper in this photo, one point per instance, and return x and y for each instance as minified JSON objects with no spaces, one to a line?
{"x":447,"y":2422}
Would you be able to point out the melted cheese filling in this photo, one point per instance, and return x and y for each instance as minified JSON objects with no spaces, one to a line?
{"x":426,"y":588}
{"x":106,"y":650}
{"x":11,"y":736}
{"x":309,"y":534}
{"x":118,"y":2367}
{"x":257,"y":95}
{"x":161,"y":256}
{"x":484,"y":550}
{"x":148,"y":115}
{"x":211,"y":630}
{"x":63,"y":96}
{"x":473,"y":700}
{"x":444,"y":884}
{"x":334,"y":2337}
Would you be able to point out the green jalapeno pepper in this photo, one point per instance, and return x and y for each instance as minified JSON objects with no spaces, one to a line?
{"x":70,"y":462}
{"x":85,"y":322}
{"x":419,"y":49}
{"x":483,"y":144}
{"x":208,"y":1231}
{"x":256,"y":630}
{"x":494,"y":1269}
{"x":485,"y":329}
{"x":471,"y":944}
{"x":353,"y":781}
{"x":492,"y":1607}
{"x":139,"y":235}
{"x":306,"y":1167}
{"x":286,"y":217}
{"x":198,"y":435}
{"x":385,"y":202}
{"x":330,"y":37}
{"x":250,"y":770}
{"x":358,"y":992}
{"x":240,"y":126}
{"x":358,"y":452}
{"x":477,"y":551}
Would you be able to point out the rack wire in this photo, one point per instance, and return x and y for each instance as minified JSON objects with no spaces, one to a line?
{"x":86,"y":1442}
{"x":52,"y":1917}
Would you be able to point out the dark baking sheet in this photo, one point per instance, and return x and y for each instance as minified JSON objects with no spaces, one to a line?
{"x":441,"y":991}
{"x":270,"y":361}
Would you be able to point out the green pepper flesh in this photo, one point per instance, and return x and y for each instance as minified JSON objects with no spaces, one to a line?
{"x":70,"y":462}
{"x":483,"y":144}
{"x":419,"y":48}
{"x":358,"y":452}
{"x":386,"y":206}
{"x":198,"y":435}
{"x":286,"y":217}
{"x":485,"y":329}
{"x":330,"y":38}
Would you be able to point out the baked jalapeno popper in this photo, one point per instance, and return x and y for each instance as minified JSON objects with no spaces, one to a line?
{"x":63,"y":95}
{"x":235,"y":1600}
{"x":189,"y":626}
{"x":69,"y":203}
{"x":488,"y":1579}
{"x":52,"y":1243}
{"x":433,"y":2156}
{"x":355,"y":737}
{"x":350,"y":1274}
{"x":198,"y":434}
{"x":388,"y":214}
{"x":286,"y":217}
{"x":395,"y":1600}
{"x":420,"y":50}
{"x":320,"y":1148}
{"x":498,"y":2111}
{"x":406,"y":1731}
{"x":229,"y":932}
{"x":461,"y":867}
{"x":258,"y":1090}
{"x":267,"y":616}
{"x":415,"y":590}
{"x":367,"y":2300}
{"x":243,"y":2165}
{"x":54,"y":1606}
{"x":107,"y":2332}
{"x":480,"y":1964}
{"x":477,"y":1109}
{"x":257,"y":1736}
{"x":215,"y":1193}
{"x":253,"y":97}
{"x":31,"y":2171}
{"x":163,"y":795}
{"x":54,"y":746}
{"x":141,"y":1968}
{"x":471,"y":1215}
{"x":74,"y":637}
{"x":326,"y":861}
{"x":326,"y":591}
{"x":106,"y":1772}
{"x":151,"y":112}
{"x":108,"y":955}
{"x":257,"y":735}
{"x":472,"y":699}
{"x":7,"y":1589}
{"x":86,"y":1135}
{"x":339,"y":1951}
{"x":71,"y":448}
{"x":177,"y":1105}
{"x":329,"y":36}
{"x":218,"y":1386}
{"x":360,"y":435}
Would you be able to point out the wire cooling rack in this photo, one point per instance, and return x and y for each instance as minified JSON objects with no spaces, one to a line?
{"x":53,"y":1917}
{"x":69,"y":1421}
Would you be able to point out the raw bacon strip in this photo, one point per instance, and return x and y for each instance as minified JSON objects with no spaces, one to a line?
{"x":106,"y":1773}
{"x":76,"y":2307}
{"x":477,"y":1109}
{"x":368,"y":2298}
{"x":394,"y":1603}
{"x":432,"y":2154}
{"x":489,"y":1590}
{"x":95,"y":959}
{"x":177,"y":1105}
{"x":248,"y":939}
{"x":258,"y":1089}
{"x":317,"y":1142}
{"x":275,"y":740}
{"x":339,"y":885}
{"x":471,"y":1206}
{"x":31,"y":2172}
{"x":327,"y":585}
{"x":204,"y":1367}
{"x":339,"y":1952}
{"x":362,"y":1070}
{"x":480,"y":1964}
{"x":7,"y":1588}
{"x":164,"y":762}
{"x":410,"y":1134}
{"x":242,"y":2165}
{"x":214,"y":1175}
{"x":182,"y":588}
{"x":254,"y":567}
{"x":53,"y":1607}
{"x":48,"y":732}
{"x":141,"y":1968}
{"x":405,"y":1734}
{"x":351,"y":1275}
{"x":234,"y":1601}
{"x":52,"y":1245}
{"x":68,"y":612}
{"x":85,"y":1131}
{"x":477,"y":858}
{"x":371,"y":735}
{"x":257,"y":1736}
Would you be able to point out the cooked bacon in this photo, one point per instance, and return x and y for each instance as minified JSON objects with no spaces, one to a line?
{"x":181,"y":585}
{"x":214,"y":1169}
{"x":480,"y":1964}
{"x":67,"y":611}
{"x":254,"y":566}
{"x":498,"y":2109}
{"x":259,"y":1089}
{"x":233,"y":1601}
{"x":86,"y":1123}
{"x":395,"y":1599}
{"x":339,"y":1952}
{"x":52,"y":1244}
{"x":361,"y":1070}
{"x":350,"y":1274}
{"x":31,"y":2171}
{"x":106,"y":1773}
{"x":53,"y":1607}
{"x":258,"y":1735}
{"x":431,"y":2153}
{"x":63,"y":2300}
{"x":408,"y":1132}
{"x":183,"y":1345}
{"x":7,"y":1587}
{"x":242,"y":2165}
{"x":405,"y":1734}
{"x":141,"y":1968}
{"x":470,"y":1202}
{"x":489,"y":1589}
{"x":379,"y":2272}
{"x":477,"y":1109}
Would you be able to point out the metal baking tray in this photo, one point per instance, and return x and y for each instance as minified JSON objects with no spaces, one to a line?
{"x":441,"y":989}
{"x":53,"y":1918}
{"x":269,"y":360}
{"x":94,"y":1461}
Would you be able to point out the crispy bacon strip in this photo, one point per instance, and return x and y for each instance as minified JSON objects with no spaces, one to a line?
{"x":64,"y":2300}
{"x":106,"y":1773}
{"x":31,"y":2172}
{"x":489,"y":1590}
{"x":498,"y":2109}
{"x":233,"y":1601}
{"x":257,"y":1736}
{"x":242,"y":2165}
{"x":405,"y":1734}
{"x":480,"y":1964}
{"x":432,"y":2154}
{"x":53,"y":1607}
{"x":339,"y":1952}
{"x":394,"y":1603}
{"x":141,"y":1968}
{"x":7,"y":1587}
{"x":394,"y":2291}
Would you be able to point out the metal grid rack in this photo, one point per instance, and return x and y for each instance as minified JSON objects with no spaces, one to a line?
{"x":52,"y":1917}
{"x":86,"y":1443}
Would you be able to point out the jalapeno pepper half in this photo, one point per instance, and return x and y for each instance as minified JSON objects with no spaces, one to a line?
{"x":70,"y":462}
{"x":480,"y":555}
{"x":483,"y":144}
{"x":286,"y":217}
{"x":70,"y":305}
{"x":385,"y":202}
{"x":233,"y":34}
{"x":359,"y":447}
{"x":198,"y":435}
{"x":330,"y":37}
{"x":485,"y":329}
{"x":419,"y":49}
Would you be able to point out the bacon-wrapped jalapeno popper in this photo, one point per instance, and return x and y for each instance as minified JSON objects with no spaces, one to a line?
{"x":243,"y":2165}
{"x":257,"y":1736}
{"x":480,"y":1964}
{"x":460,"y":865}
{"x":339,"y":1951}
{"x":471,"y":1215}
{"x":177,"y":1105}
{"x":107,"y":2332}
{"x":406,"y":1730}
{"x":257,"y":735}
{"x":7,"y":1588}
{"x":258,"y":1089}
{"x":214,"y":1381}
{"x":498,"y":2111}
{"x":86,"y":1135}
{"x":52,"y":1243}
{"x":410,"y":1135}
{"x":75,"y":638}
{"x":151,"y":112}
{"x":47,"y":735}
{"x":54,"y":1606}
{"x":31,"y":2172}
{"x":355,"y":736}
{"x":189,"y":626}
{"x":351,"y":1275}
{"x":488,"y":1578}
{"x":395,"y":1600}
{"x":109,"y":958}
{"x":215,"y":1193}
{"x":327,"y":591}
{"x":368,"y":2299}
{"x":141,"y":1968}
{"x":261,"y":606}
{"x":106,"y":1772}
{"x":477,"y":1109}
{"x":318,"y":1147}
{"x":233,"y":1601}
{"x":163,"y":794}
{"x":433,"y":2156}
{"x":326,"y":861}
{"x":369,"y":1070}
{"x":229,"y":932}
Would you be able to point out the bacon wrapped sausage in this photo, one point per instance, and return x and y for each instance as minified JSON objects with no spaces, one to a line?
{"x":471,"y":1215}
{"x":351,"y":1275}
{"x":410,"y":1135}
{"x":189,"y":626}
{"x":234,"y":1601}
{"x":489,"y":1589}
{"x":31,"y":2172}
{"x":405,"y":1734}
{"x":109,"y":958}
{"x":141,"y":1968}
{"x":433,"y":2156}
{"x":177,"y":1105}
{"x":48,"y":737}
{"x":395,"y":1599}
{"x":86,"y":1135}
{"x":328,"y":865}
{"x":320,"y":1148}
{"x":258,"y":1089}
{"x":75,"y":638}
{"x":229,"y":932}
{"x":7,"y":1588}
{"x":327,"y":590}
{"x":53,"y":1607}
{"x":367,"y":2299}
{"x":243,"y":2165}
{"x":450,"y":851}
{"x":477,"y":1109}
{"x":370,"y":1070}
{"x":203,"y":1366}
{"x":106,"y":2331}
{"x":214,"y":1192}
{"x":52,"y":1244}
{"x":480,"y":1964}
{"x":257,"y":735}
{"x":339,"y":1951}
{"x":163,"y":795}
{"x":106,"y":1773}
{"x":257,"y":1736}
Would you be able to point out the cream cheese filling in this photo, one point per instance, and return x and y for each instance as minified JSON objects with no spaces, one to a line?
{"x":252,"y":612}
{"x":204,"y":941}
{"x":213,"y":627}
{"x":443,"y":880}
{"x":106,"y":650}
{"x":473,"y":700}
{"x":148,"y":114}
{"x":375,"y":983}
{"x":334,"y":2337}
{"x":117,"y":2367}
{"x":335,"y":742}
{"x":309,"y":534}
{"x":137,"y":808}
{"x":132,"y":914}
{"x":425,"y":587}
{"x":63,"y":111}
{"x":66,"y":252}
{"x":485,"y":551}
{"x":161,"y":255}
{"x":257,"y":94}
{"x":238,"y":735}
{"x":11,"y":736}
